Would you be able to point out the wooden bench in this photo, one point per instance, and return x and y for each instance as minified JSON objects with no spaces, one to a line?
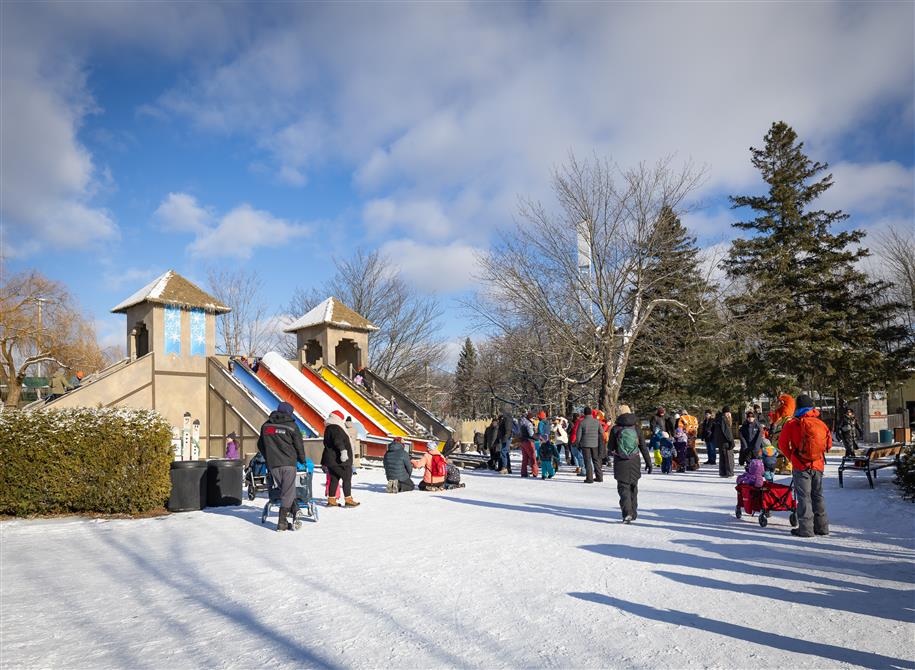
{"x":874,"y":459}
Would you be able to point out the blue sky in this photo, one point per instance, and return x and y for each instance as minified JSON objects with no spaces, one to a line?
{"x":142,"y":137}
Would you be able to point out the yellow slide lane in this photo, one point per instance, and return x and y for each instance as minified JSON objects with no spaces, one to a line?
{"x":364,"y":405}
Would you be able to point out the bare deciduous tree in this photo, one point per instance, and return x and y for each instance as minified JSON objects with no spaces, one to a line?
{"x":406,"y":343}
{"x":246,"y":330}
{"x":897,"y":250}
{"x":592,"y":314}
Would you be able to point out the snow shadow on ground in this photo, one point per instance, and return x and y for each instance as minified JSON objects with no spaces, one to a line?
{"x":582,"y":514}
{"x":854,"y":597}
{"x":192,"y":584}
{"x":743,"y":634}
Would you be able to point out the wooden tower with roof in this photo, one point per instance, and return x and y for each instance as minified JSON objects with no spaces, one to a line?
{"x":332,"y":333}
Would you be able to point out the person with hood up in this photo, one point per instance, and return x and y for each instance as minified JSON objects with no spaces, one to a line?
{"x":560,"y":438}
{"x":626,"y":443}
{"x":723,"y":435}
{"x":589,"y":438}
{"x":58,"y":385}
{"x":397,"y":467}
{"x":751,"y":437}
{"x":504,"y":438}
{"x":280,"y":443}
{"x":338,"y":459}
{"x":528,"y":446}
{"x":435,"y":468}
{"x":805,"y":439}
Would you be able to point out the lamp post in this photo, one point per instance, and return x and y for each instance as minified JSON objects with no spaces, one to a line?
{"x":40,"y":302}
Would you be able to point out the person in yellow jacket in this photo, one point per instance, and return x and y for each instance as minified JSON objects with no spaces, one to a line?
{"x":784,"y":412}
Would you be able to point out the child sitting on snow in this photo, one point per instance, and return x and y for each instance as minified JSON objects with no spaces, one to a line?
{"x":549,"y":455}
{"x":666,"y":449}
{"x":681,"y":444}
{"x":452,"y":476}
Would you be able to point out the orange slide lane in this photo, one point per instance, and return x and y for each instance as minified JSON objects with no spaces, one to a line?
{"x":305,"y":410}
{"x":370,"y":426}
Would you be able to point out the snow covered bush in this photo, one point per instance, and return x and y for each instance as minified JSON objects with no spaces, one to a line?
{"x":83,"y":460}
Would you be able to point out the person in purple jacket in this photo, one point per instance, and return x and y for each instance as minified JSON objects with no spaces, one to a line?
{"x":232,"y":446}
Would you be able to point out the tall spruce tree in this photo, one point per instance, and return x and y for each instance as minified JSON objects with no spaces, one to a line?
{"x":465,"y":381}
{"x":671,"y":349}
{"x":812,"y":320}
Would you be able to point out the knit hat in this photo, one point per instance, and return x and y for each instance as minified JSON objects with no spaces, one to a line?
{"x":542,"y":415}
{"x":432,"y":446}
{"x":285,"y":407}
{"x":624,"y":409}
{"x":231,"y":436}
{"x":337,"y":413}
{"x":804,"y":401}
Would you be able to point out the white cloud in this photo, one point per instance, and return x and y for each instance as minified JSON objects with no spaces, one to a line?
{"x":179,"y":212}
{"x":870,"y":187}
{"x":423,"y":217}
{"x":116,"y":278}
{"x":433,"y":268}
{"x":235,"y":234}
{"x":242,"y":230}
{"x":489,"y":121}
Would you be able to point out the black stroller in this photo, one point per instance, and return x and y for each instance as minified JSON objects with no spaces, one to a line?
{"x":304,"y":500}
{"x":256,"y":476}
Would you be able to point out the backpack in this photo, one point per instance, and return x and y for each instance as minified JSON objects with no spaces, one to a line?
{"x":516,"y":428}
{"x":627,"y":441}
{"x":438,"y":467}
{"x":814,"y":437}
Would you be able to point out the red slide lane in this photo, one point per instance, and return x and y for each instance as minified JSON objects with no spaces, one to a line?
{"x":370,"y":426}
{"x":305,"y":410}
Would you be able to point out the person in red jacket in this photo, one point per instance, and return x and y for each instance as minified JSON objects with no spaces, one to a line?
{"x":804,"y":440}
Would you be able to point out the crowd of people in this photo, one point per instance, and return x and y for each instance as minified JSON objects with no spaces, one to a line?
{"x":791,"y":439}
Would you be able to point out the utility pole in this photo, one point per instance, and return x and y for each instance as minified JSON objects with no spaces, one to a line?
{"x":40,"y":301}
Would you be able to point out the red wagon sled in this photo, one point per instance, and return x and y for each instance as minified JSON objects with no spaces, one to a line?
{"x":770,"y":498}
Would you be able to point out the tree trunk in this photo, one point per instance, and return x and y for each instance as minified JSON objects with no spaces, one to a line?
{"x":13,"y":393}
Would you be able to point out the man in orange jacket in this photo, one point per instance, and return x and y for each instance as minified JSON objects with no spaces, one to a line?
{"x":804,"y":440}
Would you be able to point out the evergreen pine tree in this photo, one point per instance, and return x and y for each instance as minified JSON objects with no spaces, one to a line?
{"x":663,"y":365}
{"x":465,"y":381}
{"x":813,"y":319}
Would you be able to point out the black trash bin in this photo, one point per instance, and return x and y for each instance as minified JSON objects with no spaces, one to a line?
{"x":189,"y":486}
{"x":224,"y":482}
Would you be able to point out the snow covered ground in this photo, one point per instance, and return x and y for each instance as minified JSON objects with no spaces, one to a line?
{"x":504,"y":573}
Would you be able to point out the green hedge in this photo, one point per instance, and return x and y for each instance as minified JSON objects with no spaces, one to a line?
{"x":110,"y":461}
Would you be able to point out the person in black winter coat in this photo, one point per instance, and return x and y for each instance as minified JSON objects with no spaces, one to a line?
{"x":397,"y":467}
{"x":491,"y":445}
{"x":723,"y":435}
{"x":706,"y":432}
{"x":280,"y":443}
{"x":849,"y":431}
{"x":504,"y":438}
{"x":338,"y":459}
{"x":751,"y":437}
{"x":627,"y":468}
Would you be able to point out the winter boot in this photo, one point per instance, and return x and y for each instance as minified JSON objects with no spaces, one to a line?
{"x":282,"y":523}
{"x":627,"y":518}
{"x":349,"y":502}
{"x":332,"y":502}
{"x":393,"y":486}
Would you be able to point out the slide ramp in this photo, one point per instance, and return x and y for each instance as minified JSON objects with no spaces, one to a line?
{"x":346,"y":388}
{"x":385,"y":391}
{"x":268,"y":399}
{"x":372,"y":425}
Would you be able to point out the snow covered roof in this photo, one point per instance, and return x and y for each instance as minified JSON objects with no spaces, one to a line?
{"x":173,"y":289}
{"x":334,"y":312}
